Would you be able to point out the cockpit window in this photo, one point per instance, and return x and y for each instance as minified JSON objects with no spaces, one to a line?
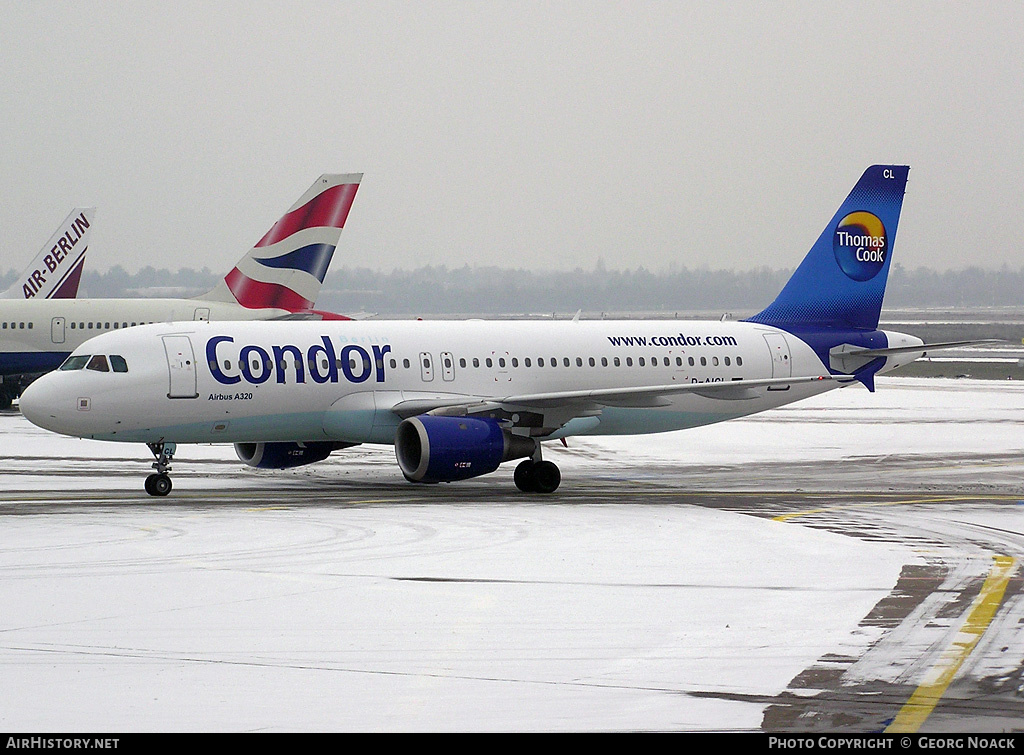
{"x":118,"y":364}
{"x":98,"y":363}
{"x":75,"y":362}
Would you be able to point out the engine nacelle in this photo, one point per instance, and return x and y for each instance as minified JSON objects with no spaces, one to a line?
{"x":445,"y":449}
{"x":285,"y":455}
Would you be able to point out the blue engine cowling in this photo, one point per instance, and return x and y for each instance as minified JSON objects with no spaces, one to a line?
{"x":445,"y":449}
{"x":285,"y":455}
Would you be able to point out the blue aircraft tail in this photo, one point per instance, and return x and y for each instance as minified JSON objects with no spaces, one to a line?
{"x":840,"y":283}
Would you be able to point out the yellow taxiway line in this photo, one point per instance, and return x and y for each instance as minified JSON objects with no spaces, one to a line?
{"x":983,"y":610}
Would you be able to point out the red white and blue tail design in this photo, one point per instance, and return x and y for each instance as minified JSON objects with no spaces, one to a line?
{"x":57,"y":270}
{"x":286,"y":268}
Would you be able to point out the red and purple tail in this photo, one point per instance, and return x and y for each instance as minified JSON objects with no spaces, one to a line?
{"x":57,"y":270}
{"x":286,"y":269}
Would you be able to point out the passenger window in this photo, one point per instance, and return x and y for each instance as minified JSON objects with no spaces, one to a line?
{"x":405,"y":363}
{"x":515,"y":361}
{"x":476,"y":361}
{"x":703,"y":361}
{"x":714,"y":361}
{"x":117,"y":363}
{"x":617,"y":362}
{"x":98,"y":363}
{"x":462,"y":362}
{"x":579,"y":362}
{"x":526,"y":361}
{"x":565,"y":361}
{"x":592,"y":362}
{"x":629,"y":361}
{"x":727,"y":362}
{"x":75,"y":362}
{"x":540,"y":361}
{"x":488,"y":362}
{"x":641,"y":361}
{"x":691,"y":361}
{"x":739,"y":361}
{"x":604,"y":361}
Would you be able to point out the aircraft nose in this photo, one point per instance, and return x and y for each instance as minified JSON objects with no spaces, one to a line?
{"x":42,"y":404}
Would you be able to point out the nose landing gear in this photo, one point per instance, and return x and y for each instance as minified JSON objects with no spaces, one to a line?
{"x":159,"y":483}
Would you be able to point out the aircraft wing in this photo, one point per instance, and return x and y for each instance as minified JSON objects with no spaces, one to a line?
{"x":569,"y":404}
{"x":316,"y":314}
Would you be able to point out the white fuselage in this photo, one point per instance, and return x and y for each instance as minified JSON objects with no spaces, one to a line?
{"x":37,"y":334}
{"x":210,"y":382}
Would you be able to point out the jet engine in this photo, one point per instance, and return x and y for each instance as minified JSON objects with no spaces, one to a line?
{"x":444,"y":448}
{"x":285,"y":455}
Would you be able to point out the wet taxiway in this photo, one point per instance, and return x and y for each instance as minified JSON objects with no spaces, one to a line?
{"x":826,"y":587}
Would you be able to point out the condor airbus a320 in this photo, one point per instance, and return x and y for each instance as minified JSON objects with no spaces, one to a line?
{"x":458,"y":399}
{"x":279,"y":277}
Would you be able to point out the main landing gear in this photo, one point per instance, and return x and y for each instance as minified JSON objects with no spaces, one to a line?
{"x":537,"y":476}
{"x":159,"y":483}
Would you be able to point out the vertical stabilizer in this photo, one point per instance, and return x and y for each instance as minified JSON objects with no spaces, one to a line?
{"x":841,"y":281}
{"x":57,"y":270}
{"x":286,"y":268}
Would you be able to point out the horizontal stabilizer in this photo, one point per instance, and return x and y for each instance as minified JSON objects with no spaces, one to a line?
{"x":848,"y":358}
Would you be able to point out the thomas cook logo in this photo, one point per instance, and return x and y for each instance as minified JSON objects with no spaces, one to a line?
{"x":860,"y":245}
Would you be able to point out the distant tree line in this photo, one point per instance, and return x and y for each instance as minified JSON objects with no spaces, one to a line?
{"x":437,"y":290}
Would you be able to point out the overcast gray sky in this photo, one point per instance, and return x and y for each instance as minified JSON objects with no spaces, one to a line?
{"x":545,"y":135}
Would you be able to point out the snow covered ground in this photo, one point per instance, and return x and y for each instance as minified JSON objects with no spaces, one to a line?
{"x":252,"y":602}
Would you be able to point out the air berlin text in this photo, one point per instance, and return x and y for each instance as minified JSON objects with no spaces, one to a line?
{"x":60,"y":251}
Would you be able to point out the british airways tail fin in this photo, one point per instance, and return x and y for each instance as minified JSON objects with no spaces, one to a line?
{"x":57,"y":270}
{"x":841,"y":281}
{"x":286,"y":268}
